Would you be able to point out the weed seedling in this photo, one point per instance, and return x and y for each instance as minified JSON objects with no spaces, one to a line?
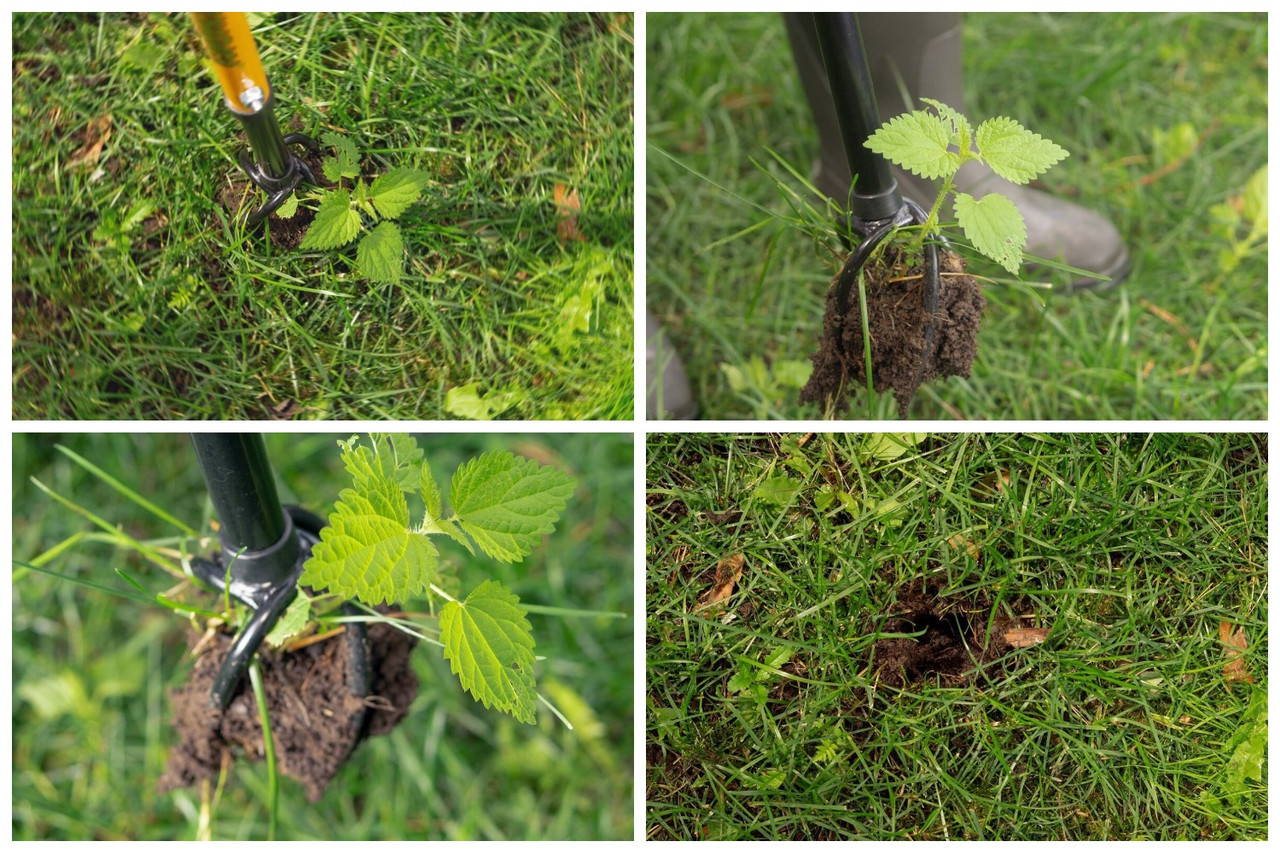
{"x":922,"y":141}
{"x":342,"y":214}
{"x":370,"y":552}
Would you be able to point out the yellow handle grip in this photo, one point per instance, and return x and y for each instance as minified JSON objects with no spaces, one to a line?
{"x":235,"y":58}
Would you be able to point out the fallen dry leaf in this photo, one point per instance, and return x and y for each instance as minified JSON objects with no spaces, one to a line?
{"x":1234,"y":644}
{"x":1020,"y":638}
{"x":568,"y":206}
{"x":958,"y":541}
{"x":728,"y":573}
{"x":990,"y":485}
{"x":95,"y":136}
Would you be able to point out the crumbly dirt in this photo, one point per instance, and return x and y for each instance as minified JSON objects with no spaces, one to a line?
{"x":315,"y":719}
{"x":954,"y":649}
{"x":897,"y":321}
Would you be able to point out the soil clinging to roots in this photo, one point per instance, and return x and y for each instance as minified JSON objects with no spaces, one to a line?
{"x":315,"y":719}
{"x":897,"y":320}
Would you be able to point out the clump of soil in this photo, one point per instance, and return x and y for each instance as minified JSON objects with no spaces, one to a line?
{"x":897,"y":319}
{"x":315,"y":719}
{"x":954,"y":647}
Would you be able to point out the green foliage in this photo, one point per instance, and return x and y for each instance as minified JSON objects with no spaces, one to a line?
{"x":345,"y":162}
{"x":1241,"y":222}
{"x":336,"y":224}
{"x":489,"y":646}
{"x":342,"y":214}
{"x":467,"y":401}
{"x":507,"y":503}
{"x":292,"y":622}
{"x":752,"y":678}
{"x":1249,"y":751}
{"x":371,"y":552}
{"x":767,"y":385}
{"x":779,"y":490}
{"x":922,"y":142}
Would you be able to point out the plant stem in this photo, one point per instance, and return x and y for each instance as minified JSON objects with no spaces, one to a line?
{"x":268,"y":748}
{"x":931,"y":223}
{"x":866,"y":337}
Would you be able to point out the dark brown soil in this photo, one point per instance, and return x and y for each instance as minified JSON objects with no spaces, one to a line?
{"x":315,"y":719}
{"x":897,"y":321}
{"x":240,"y":197}
{"x":954,"y":648}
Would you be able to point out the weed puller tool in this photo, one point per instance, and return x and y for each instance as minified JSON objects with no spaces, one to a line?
{"x":876,"y":207}
{"x":264,"y":547}
{"x":273,"y":167}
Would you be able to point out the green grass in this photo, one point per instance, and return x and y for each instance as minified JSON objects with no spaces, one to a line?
{"x":91,"y":671}
{"x":179,"y":312}
{"x":1131,"y":549}
{"x":735,"y":275}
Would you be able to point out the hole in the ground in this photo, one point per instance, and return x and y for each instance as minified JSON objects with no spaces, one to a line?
{"x":944,"y":645}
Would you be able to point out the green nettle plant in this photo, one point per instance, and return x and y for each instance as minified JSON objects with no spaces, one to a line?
{"x":342,"y":214}
{"x":372,"y":552}
{"x":922,"y":141}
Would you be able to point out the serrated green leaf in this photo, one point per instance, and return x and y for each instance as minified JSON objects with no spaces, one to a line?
{"x":336,"y":224}
{"x":778,"y":489}
{"x":367,"y":551}
{"x":346,"y":158}
{"x":431,"y":492}
{"x":393,"y":457}
{"x":917,"y":141}
{"x":742,"y":679}
{"x":506,"y":503}
{"x":1015,"y":153}
{"x":289,"y":208}
{"x":994,"y":226}
{"x":489,"y":645}
{"x":961,"y":130}
{"x":380,"y":255}
{"x":332,"y":170}
{"x":291,"y":622}
{"x":406,"y":454}
{"x":1248,"y":747}
{"x":393,"y":192}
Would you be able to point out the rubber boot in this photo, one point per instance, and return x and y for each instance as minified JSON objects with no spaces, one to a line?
{"x":669,"y":396}
{"x":918,"y":55}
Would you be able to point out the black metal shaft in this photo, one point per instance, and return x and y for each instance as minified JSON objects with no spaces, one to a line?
{"x":238,"y":476}
{"x":257,"y":536}
{"x":875,"y":192}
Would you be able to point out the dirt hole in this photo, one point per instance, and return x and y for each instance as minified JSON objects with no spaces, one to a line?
{"x":949,"y":641}
{"x":315,"y":719}
{"x":897,"y":320}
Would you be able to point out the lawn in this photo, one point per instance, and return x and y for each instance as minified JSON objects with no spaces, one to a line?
{"x":978,"y":637}
{"x":91,"y":713}
{"x":140,"y":293}
{"x":1165,"y":116}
